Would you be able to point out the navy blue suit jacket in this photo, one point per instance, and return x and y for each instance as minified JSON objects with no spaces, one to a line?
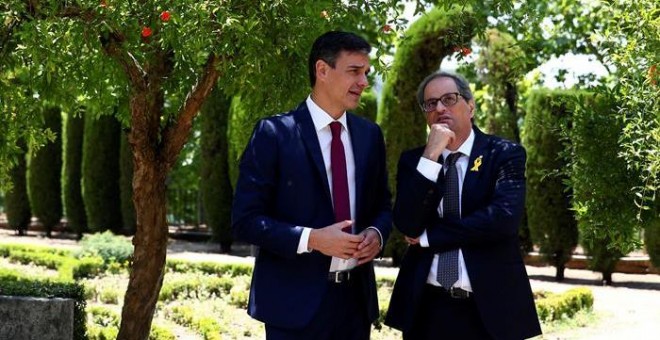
{"x":492,"y":202}
{"x":283,"y":187}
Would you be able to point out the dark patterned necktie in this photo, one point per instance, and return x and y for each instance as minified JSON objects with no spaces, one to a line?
{"x":448,"y":261}
{"x":340,"y":197}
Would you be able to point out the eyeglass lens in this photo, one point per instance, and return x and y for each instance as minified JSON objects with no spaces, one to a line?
{"x":447,"y":100}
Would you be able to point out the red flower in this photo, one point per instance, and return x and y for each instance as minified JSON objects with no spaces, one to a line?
{"x":146,"y":32}
{"x":387,"y":28}
{"x":465,"y":51}
{"x":165,"y":16}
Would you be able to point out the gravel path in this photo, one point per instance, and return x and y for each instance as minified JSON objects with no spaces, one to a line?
{"x":630,"y":309}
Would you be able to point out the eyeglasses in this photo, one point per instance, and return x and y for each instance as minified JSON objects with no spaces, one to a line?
{"x":447,"y":99}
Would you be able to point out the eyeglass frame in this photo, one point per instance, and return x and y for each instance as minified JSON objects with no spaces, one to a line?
{"x":446,"y":95}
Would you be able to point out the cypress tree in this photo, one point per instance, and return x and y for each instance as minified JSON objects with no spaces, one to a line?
{"x":602,"y":196}
{"x":551,"y":222}
{"x":428,"y":40}
{"x":101,"y":145}
{"x":74,"y":206}
{"x":129,"y":224}
{"x":17,"y":204}
{"x":652,"y":240}
{"x":216,"y":189}
{"x":501,"y":65}
{"x":44,"y":174}
{"x":368,"y":107}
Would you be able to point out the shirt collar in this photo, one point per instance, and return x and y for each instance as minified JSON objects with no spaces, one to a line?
{"x":321,"y":118}
{"x":465,"y":148}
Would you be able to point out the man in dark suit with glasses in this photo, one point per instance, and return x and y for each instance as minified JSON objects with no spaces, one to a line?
{"x":459,"y":202}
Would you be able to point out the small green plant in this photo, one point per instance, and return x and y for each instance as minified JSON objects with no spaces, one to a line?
{"x":109,"y":295}
{"x":87,"y":267}
{"x":109,"y":247}
{"x":553,"y":307}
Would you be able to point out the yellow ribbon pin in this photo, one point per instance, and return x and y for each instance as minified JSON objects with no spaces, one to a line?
{"x":477,"y":164}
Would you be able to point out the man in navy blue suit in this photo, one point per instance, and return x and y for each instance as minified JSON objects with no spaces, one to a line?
{"x":459,"y":202}
{"x":312,"y":195}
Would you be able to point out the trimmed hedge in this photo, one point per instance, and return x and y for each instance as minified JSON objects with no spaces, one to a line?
{"x":104,"y":325}
{"x":216,"y":190}
{"x":68,"y":267}
{"x":231,"y":269}
{"x":428,"y":40}
{"x":652,"y":241}
{"x":45,"y":172}
{"x":129,"y":219}
{"x":602,"y":195}
{"x":74,"y":205}
{"x":368,"y":107}
{"x":17,"y":204}
{"x":101,"y":174}
{"x":553,"y":307}
{"x":15,"y":285}
{"x":551,"y":222}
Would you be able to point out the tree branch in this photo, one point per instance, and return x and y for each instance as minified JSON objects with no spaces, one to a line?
{"x":176,"y":133}
{"x":112,"y":46}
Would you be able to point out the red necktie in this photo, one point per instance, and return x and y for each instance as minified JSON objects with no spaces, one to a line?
{"x":340,"y":198}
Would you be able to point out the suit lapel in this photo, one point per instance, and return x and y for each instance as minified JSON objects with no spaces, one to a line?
{"x":359,"y":143}
{"x":307,"y":130}
{"x":471,"y":179}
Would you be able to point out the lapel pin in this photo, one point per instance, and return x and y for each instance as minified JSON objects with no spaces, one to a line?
{"x":477,"y":163}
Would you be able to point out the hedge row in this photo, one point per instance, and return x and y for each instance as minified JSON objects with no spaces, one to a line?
{"x":14,"y":284}
{"x":551,"y":307}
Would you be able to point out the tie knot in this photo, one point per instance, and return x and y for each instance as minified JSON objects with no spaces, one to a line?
{"x":452,"y":158}
{"x":335,"y":127}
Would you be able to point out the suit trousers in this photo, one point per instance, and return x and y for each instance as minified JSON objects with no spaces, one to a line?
{"x":439,"y":316}
{"x":342,"y":315}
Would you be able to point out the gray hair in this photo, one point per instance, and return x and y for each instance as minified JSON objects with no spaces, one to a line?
{"x":462,"y":85}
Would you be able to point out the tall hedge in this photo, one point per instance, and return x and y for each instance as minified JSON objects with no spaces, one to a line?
{"x":601,"y":184}
{"x":216,"y":189}
{"x":74,"y":207}
{"x":240,"y":128}
{"x":501,"y":67}
{"x":17,"y":204}
{"x":428,"y":40}
{"x":551,"y":222}
{"x":101,"y":174}
{"x":129,"y":224}
{"x":45,"y":172}
{"x":368,"y":107}
{"x":652,"y":240}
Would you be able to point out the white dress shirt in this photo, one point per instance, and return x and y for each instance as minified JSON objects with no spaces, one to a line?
{"x":431,"y":169}
{"x":322,"y":122}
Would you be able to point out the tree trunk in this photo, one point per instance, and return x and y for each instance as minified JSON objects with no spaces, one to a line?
{"x":155,"y":150}
{"x":150,"y":242}
{"x":559,"y":274}
{"x":150,"y":199}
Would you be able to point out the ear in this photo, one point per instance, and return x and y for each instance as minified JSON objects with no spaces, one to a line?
{"x":472,"y":106}
{"x":321,"y":70}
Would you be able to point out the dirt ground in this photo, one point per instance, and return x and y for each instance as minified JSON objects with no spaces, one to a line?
{"x":629,"y":309}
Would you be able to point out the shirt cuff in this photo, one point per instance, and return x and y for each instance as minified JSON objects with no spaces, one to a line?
{"x":429,"y":168}
{"x":379,"y":235}
{"x":304,"y":239}
{"x":424,"y":240}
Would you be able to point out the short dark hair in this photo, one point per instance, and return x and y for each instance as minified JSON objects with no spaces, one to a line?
{"x":328,"y":46}
{"x":462,"y":85}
